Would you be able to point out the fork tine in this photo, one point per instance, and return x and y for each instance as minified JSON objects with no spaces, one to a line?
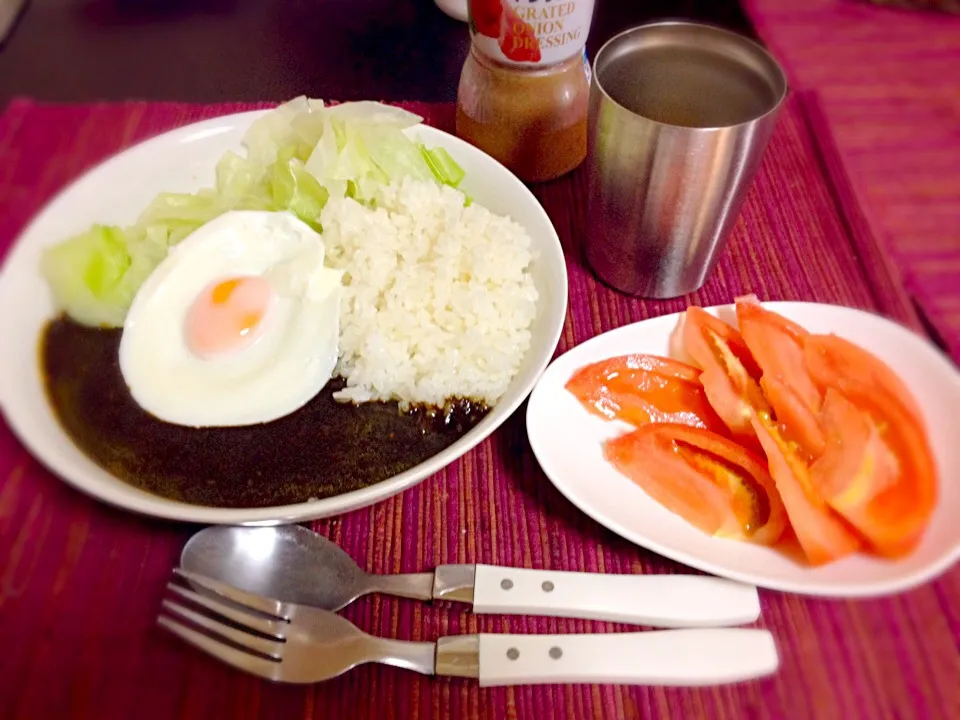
{"x":265,"y":626}
{"x":265,"y":605}
{"x":240,"y":637}
{"x":239,"y":659}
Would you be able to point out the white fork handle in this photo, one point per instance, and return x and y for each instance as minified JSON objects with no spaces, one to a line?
{"x":657,"y":657}
{"x":667,"y":601}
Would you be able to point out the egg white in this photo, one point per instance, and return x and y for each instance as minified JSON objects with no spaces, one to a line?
{"x":282,"y":370}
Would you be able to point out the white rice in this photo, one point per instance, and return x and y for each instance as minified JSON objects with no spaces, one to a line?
{"x":438,"y":301}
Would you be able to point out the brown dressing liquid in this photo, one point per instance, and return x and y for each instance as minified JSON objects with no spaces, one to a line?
{"x":532,"y":121}
{"x":533,"y":156}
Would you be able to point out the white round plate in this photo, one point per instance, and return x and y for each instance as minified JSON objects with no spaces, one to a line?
{"x":567,"y":442}
{"x":183,"y":161}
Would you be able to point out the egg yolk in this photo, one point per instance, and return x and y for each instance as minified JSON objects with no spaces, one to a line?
{"x":228,"y":315}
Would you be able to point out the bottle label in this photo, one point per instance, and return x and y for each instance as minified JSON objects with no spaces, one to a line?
{"x":530,"y":32}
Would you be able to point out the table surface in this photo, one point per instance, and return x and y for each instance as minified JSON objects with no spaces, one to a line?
{"x":79,"y":644}
{"x":80,"y":582}
{"x":213,"y":50}
{"x":894,"y":117}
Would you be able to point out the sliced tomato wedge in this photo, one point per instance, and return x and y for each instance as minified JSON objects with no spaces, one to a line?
{"x":641,"y":389}
{"x":856,"y":464}
{"x":777,"y":345}
{"x":697,"y":320}
{"x":823,"y":536}
{"x":798,"y":422}
{"x":730,"y":374}
{"x":710,"y":481}
{"x":878,"y":471}
{"x":829,"y":358}
{"x":751,"y":302}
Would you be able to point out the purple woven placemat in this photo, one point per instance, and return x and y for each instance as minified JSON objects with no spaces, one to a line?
{"x":80,"y":582}
{"x":889,"y":82}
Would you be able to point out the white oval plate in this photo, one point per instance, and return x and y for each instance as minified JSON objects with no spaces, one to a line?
{"x":183,"y":160}
{"x":567,"y":442}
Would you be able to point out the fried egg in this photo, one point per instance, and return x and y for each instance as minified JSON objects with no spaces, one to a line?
{"x":238,"y":325}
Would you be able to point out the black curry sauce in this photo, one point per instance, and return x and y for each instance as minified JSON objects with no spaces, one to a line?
{"x":325,"y":448}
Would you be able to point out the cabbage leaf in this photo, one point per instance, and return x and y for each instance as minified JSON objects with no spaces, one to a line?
{"x":296,"y":157}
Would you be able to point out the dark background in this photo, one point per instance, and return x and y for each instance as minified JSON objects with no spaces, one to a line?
{"x":212,"y":50}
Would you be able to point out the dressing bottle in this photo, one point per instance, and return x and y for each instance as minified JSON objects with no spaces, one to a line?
{"x":524,"y":88}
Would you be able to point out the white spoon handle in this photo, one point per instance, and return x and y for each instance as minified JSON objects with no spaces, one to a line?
{"x":657,"y":600}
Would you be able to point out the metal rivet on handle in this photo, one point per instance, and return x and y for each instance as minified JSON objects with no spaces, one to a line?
{"x":555,"y":653}
{"x":547,"y":586}
{"x":506,"y":583}
{"x":513,"y":653}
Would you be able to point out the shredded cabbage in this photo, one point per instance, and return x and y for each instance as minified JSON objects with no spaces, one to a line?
{"x":295,"y":189}
{"x":95,"y":275}
{"x":297,"y":156}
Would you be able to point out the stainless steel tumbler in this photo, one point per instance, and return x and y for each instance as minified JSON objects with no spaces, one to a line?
{"x":680,"y":115}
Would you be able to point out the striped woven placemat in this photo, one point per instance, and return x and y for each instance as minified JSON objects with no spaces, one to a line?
{"x":889,"y":81}
{"x":80,"y":582}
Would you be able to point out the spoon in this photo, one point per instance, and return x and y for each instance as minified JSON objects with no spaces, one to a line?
{"x":294,"y":564}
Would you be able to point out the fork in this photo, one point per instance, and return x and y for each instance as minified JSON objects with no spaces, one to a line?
{"x":289,"y":643}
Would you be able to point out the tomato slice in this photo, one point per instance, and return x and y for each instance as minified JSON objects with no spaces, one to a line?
{"x":878,"y":470}
{"x":856,"y":464}
{"x":698,"y":320}
{"x":829,"y":358}
{"x":641,"y":389}
{"x":747,"y":303}
{"x":730,"y":374}
{"x":822,"y":534}
{"x":777,"y":344}
{"x":710,"y":481}
{"x":798,"y":422}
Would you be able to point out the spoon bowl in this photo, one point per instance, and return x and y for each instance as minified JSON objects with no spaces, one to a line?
{"x":291,"y":562}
